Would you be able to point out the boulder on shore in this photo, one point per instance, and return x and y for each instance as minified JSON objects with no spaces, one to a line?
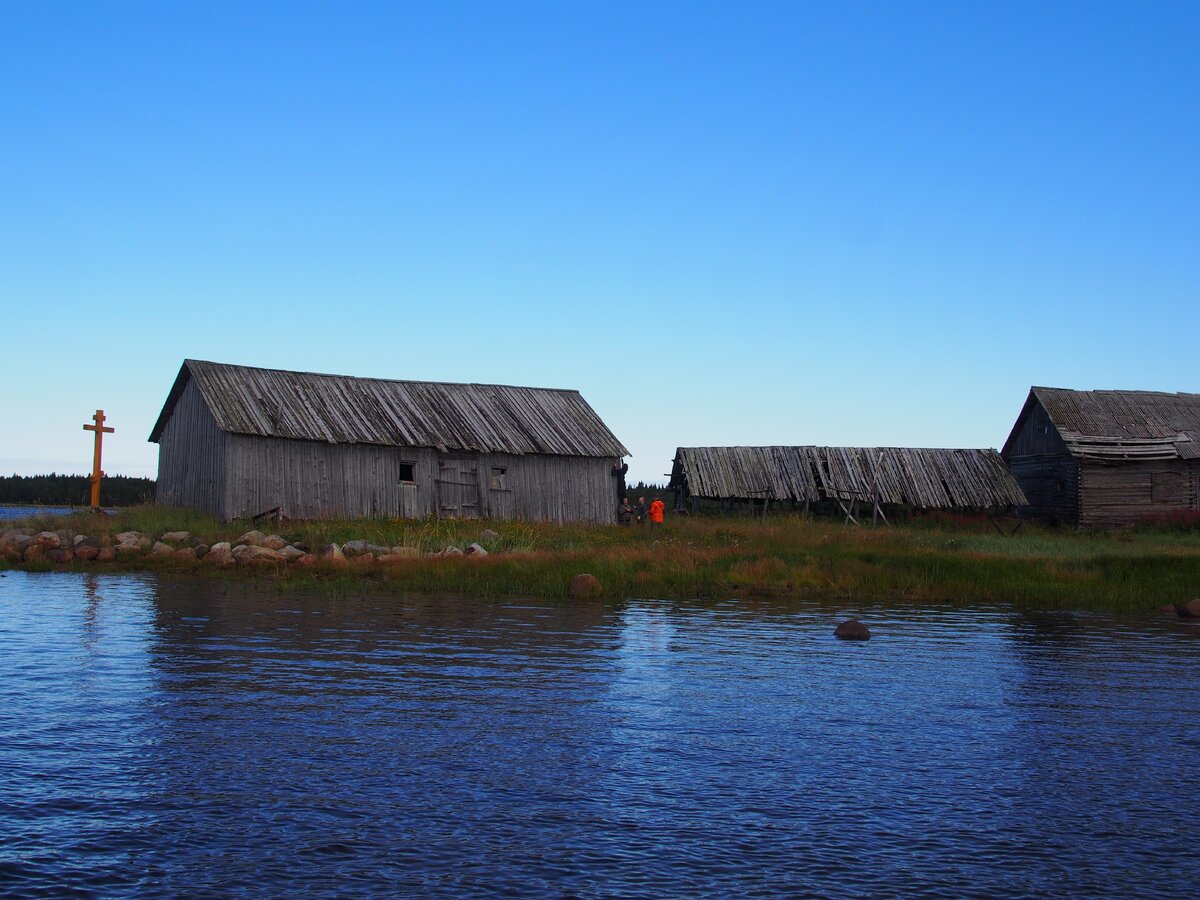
{"x":475,"y":550}
{"x":106,"y":554}
{"x":252,"y":538}
{"x":250,"y":555}
{"x":176,"y":537}
{"x":13,"y":547}
{"x":584,"y":585}
{"x":161,"y":549}
{"x":852,"y":630}
{"x":48,"y":539}
{"x":362,"y":548}
{"x":220,"y":555}
{"x":1189,"y":610}
{"x":86,"y":552}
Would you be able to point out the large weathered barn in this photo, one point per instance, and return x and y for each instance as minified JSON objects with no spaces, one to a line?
{"x":917,"y":478}
{"x":1106,"y":457}
{"x":236,"y":441}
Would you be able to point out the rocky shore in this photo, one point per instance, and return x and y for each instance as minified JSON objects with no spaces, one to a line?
{"x":24,"y":545}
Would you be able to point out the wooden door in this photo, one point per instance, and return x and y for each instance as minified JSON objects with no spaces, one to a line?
{"x":458,"y":487}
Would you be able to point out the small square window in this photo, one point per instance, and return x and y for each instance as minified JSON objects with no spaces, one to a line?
{"x":498,"y":477}
{"x":407,"y":472}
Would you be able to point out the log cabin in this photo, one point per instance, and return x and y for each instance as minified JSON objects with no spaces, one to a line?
{"x":1105,"y":458}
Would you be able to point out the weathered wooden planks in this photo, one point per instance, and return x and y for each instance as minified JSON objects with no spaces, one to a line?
{"x":344,"y":410}
{"x":923,"y":478}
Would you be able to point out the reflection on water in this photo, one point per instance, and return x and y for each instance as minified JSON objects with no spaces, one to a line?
{"x":201,"y":737}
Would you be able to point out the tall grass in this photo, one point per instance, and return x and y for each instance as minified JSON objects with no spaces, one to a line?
{"x":921,"y":562}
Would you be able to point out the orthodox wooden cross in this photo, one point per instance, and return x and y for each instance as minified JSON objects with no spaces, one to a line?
{"x":100,"y":430}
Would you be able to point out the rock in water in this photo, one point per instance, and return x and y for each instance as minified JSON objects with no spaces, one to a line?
{"x":584,"y":585}
{"x":852,"y":630}
{"x":1189,"y":610}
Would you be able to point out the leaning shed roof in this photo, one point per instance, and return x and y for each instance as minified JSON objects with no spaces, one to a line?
{"x":1117,"y":425}
{"x":339,"y":409}
{"x":929,"y":479}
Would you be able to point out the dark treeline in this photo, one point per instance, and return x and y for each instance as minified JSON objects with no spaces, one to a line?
{"x":74,"y":490}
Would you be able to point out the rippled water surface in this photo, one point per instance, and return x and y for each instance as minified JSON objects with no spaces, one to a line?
{"x":167,"y":737}
{"x":23,"y":512}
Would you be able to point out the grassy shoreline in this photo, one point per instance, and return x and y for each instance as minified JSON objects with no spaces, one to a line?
{"x":712,"y":557}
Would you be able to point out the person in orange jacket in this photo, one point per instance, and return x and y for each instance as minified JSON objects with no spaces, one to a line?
{"x":657,"y":508}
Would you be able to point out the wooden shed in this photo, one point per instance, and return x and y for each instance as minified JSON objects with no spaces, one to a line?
{"x":902,"y":476}
{"x":235,"y":441}
{"x":1100,"y":458}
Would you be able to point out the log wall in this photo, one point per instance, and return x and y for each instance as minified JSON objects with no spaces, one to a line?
{"x":1051,"y":484}
{"x":1122,"y":494}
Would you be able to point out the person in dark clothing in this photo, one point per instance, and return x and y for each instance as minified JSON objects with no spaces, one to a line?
{"x":625,"y":512}
{"x":641,"y":511}
{"x":619,"y":469}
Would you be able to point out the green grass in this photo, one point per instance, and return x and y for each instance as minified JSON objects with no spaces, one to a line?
{"x":716,"y":557}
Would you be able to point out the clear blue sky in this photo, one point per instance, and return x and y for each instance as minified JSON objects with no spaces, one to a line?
{"x":794,"y":223}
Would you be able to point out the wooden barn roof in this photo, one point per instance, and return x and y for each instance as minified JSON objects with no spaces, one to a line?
{"x":1117,"y":425}
{"x":929,"y":479}
{"x":339,"y":409}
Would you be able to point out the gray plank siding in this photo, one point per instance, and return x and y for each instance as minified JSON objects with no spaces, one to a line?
{"x":551,"y":488}
{"x":191,"y":458}
{"x":314,"y":479}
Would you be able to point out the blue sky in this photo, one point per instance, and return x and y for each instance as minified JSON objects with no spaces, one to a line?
{"x":843,"y":223}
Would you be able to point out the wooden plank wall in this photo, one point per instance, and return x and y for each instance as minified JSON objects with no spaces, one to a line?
{"x":315,"y":479}
{"x":1123,"y":493}
{"x":191,"y":457}
{"x":1038,"y":436}
{"x":551,"y":488}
